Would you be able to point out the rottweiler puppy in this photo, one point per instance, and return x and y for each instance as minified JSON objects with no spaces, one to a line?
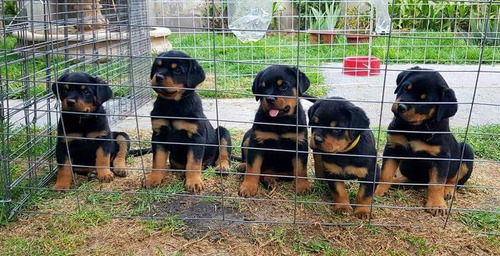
{"x":344,"y":148}
{"x":420,"y":130}
{"x":85,"y":141}
{"x":181,"y":130}
{"x":275,"y":130}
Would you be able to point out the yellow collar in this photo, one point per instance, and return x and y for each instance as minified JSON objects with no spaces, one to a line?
{"x":353,"y":144}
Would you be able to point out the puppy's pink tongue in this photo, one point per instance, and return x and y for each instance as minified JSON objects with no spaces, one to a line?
{"x":273,"y":112}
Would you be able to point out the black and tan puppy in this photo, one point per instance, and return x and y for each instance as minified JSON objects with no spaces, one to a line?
{"x":420,"y":129}
{"x":83,"y":131}
{"x":180,"y":128}
{"x":341,"y":128}
{"x":275,"y":130}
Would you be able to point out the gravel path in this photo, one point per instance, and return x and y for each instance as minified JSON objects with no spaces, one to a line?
{"x":365,"y":92}
{"x":239,"y":113}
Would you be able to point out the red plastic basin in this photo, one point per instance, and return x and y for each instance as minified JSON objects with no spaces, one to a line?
{"x":361,"y":66}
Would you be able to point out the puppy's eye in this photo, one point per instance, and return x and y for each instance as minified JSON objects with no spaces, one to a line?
{"x":336,"y":131}
{"x":177,"y":71}
{"x":86,"y":91}
{"x":283,"y":87}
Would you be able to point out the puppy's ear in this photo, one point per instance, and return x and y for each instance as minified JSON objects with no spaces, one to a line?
{"x":60,"y":80}
{"x":450,"y":107}
{"x":256,"y":84}
{"x":403,"y":76}
{"x":195,"y":74}
{"x":359,"y":120}
{"x":304,"y":82}
{"x":312,"y":110}
{"x":400,"y":81}
{"x":102,"y":91}
{"x":153,"y":69}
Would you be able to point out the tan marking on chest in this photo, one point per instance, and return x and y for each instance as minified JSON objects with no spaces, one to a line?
{"x":359,"y":172}
{"x":396,"y":140}
{"x":262,"y":136}
{"x":301,"y":137}
{"x":418,"y":146}
{"x":333,"y":168}
{"x":157,"y":124}
{"x":190,"y":128}
{"x":97,"y":134}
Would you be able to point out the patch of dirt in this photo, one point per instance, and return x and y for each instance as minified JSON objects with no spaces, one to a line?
{"x":203,"y":217}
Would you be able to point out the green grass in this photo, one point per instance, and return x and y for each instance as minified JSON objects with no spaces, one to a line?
{"x":320,"y":246}
{"x":170,"y":224}
{"x":484,"y":140}
{"x":483,"y":221}
{"x":22,"y":72}
{"x":60,"y":236}
{"x":420,"y":245}
{"x":238,"y":62}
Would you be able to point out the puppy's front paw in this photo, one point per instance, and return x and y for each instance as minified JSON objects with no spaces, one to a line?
{"x":303,"y":186}
{"x":61,"y":186}
{"x":437,"y":208}
{"x":381,"y":189}
{"x":105,"y":175}
{"x":153,"y":179}
{"x":194,"y":185}
{"x":248,"y":189}
{"x":362,"y":212}
{"x":120,"y":171}
{"x":223,"y":167}
{"x":448,"y":193}
{"x":342,"y":208}
{"x":241,"y":167}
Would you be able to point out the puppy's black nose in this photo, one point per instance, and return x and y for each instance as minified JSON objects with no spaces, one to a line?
{"x":402,"y":108}
{"x":70,"y":102}
{"x":270,"y":100}
{"x":159,"y":77}
{"x":318,"y":140}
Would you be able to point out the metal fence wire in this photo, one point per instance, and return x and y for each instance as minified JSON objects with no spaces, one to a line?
{"x":117,"y":41}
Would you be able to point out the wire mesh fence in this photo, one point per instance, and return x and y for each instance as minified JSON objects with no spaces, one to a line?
{"x":116,"y":40}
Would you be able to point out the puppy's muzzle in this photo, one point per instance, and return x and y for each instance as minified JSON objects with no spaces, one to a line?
{"x":402,"y":108}
{"x":70,"y":102}
{"x":318,"y":140}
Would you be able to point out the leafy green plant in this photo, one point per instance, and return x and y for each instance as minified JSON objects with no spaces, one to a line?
{"x":437,"y":15}
{"x":326,"y":20}
{"x":217,"y":14}
{"x":10,"y":8}
{"x":275,"y":20}
{"x":482,"y":28}
{"x":332,"y":16}
{"x":358,"y":21}
{"x":318,"y":22}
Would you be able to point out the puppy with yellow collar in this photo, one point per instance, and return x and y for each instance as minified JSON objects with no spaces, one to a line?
{"x":344,"y":149}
